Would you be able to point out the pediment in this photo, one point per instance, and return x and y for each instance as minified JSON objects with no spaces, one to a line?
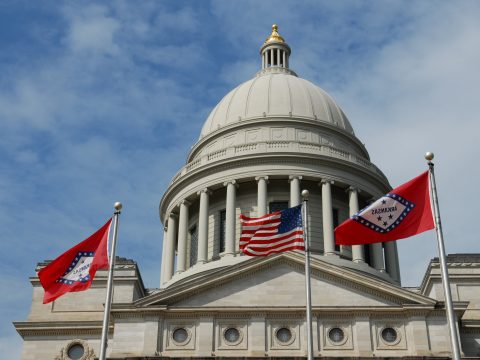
{"x":279,"y":282}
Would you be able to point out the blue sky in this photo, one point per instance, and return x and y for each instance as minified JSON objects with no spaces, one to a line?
{"x":101,"y":102}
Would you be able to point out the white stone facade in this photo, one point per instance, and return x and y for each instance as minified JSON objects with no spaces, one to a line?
{"x":267,"y":140}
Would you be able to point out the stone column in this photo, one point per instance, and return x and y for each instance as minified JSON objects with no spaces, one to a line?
{"x":391,"y":260}
{"x":262,"y":195}
{"x":377,"y":252}
{"x":358,"y":254}
{"x":278,"y":57}
{"x":230,"y":217}
{"x":182,"y":236}
{"x":295,"y":190}
{"x":327,"y":215}
{"x":164,"y":253}
{"x":170,"y":248}
{"x":284,"y":57}
{"x":203,"y":227}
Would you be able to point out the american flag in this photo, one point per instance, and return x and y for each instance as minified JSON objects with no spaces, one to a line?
{"x":273,"y":233}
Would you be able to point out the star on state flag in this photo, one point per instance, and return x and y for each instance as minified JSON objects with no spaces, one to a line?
{"x":403,"y":212}
{"x":75,"y":269}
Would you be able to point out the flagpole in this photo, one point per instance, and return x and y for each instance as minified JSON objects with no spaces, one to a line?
{"x":108,"y":300}
{"x":305,"y":194}
{"x":443,"y":263}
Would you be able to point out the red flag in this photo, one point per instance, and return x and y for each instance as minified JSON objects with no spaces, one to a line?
{"x":272,"y":233}
{"x":75,"y":269}
{"x":403,"y":212}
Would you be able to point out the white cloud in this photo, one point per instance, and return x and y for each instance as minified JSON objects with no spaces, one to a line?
{"x":92,"y":29}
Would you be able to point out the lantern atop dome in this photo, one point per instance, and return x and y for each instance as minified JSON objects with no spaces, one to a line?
{"x":275,"y":51}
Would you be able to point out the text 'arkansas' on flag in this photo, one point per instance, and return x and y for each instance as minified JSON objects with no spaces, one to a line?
{"x":75,"y":269}
{"x":273,"y":233}
{"x":403,"y":212}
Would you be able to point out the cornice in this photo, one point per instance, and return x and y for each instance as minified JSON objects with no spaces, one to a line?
{"x":287,"y":158}
{"x":36,"y":328}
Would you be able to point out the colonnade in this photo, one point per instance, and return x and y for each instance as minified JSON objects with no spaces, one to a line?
{"x":381,"y":258}
{"x":274,"y":56}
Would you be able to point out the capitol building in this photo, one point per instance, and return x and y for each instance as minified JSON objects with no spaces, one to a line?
{"x":267,"y":140}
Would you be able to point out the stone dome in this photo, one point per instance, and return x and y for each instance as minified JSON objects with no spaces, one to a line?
{"x":266,"y":140}
{"x":275,"y":93}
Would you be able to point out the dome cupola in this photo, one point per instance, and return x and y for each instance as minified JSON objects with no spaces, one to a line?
{"x":275,"y":51}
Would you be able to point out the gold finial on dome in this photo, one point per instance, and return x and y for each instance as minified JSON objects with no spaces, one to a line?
{"x":275,"y":36}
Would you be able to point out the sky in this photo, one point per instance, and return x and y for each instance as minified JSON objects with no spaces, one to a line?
{"x":101,"y":102}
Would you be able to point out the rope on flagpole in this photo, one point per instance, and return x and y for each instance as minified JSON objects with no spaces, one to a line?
{"x":452,"y":323}
{"x":108,"y":300}
{"x":305,"y":194}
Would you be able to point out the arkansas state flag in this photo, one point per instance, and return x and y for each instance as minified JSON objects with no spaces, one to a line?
{"x":403,"y":212}
{"x":74,"y":270}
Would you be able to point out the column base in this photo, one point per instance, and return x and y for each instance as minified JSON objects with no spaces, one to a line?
{"x":331,"y":254}
{"x":359,"y":261}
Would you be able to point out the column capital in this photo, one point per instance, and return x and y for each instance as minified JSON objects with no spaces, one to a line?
{"x":172,"y":215}
{"x":293,"y":177}
{"x":353,"y":188}
{"x":185,"y":202}
{"x":233,"y":182}
{"x":258,"y":178}
{"x":326,"y":181}
{"x":206,"y":191}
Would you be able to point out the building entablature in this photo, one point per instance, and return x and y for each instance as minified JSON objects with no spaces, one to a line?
{"x":277,"y":128}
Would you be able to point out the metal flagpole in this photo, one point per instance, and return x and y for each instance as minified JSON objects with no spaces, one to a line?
{"x":108,"y":300}
{"x":452,"y":323}
{"x":305,"y":194}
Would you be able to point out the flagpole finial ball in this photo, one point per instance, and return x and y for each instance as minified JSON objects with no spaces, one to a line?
{"x":305,"y":194}
{"x":118,"y":205}
{"x":429,"y":156}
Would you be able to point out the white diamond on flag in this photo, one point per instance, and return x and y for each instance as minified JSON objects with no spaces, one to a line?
{"x":385,"y":214}
{"x":79,"y":269}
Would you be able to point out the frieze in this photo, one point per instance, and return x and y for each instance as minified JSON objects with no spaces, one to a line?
{"x":266,"y":123}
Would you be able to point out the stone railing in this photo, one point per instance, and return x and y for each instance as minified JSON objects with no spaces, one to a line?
{"x":278,"y":147}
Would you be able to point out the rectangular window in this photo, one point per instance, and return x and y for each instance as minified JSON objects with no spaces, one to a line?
{"x":223,"y":217}
{"x":193,"y":244}
{"x":335,"y":224}
{"x":277,"y":206}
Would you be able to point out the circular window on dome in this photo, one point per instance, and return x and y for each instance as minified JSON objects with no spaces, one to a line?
{"x":75,"y":351}
{"x":336,"y":335}
{"x":389,"y":335}
{"x":284,"y":335}
{"x":180,"y":336}
{"x":232,"y":336}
